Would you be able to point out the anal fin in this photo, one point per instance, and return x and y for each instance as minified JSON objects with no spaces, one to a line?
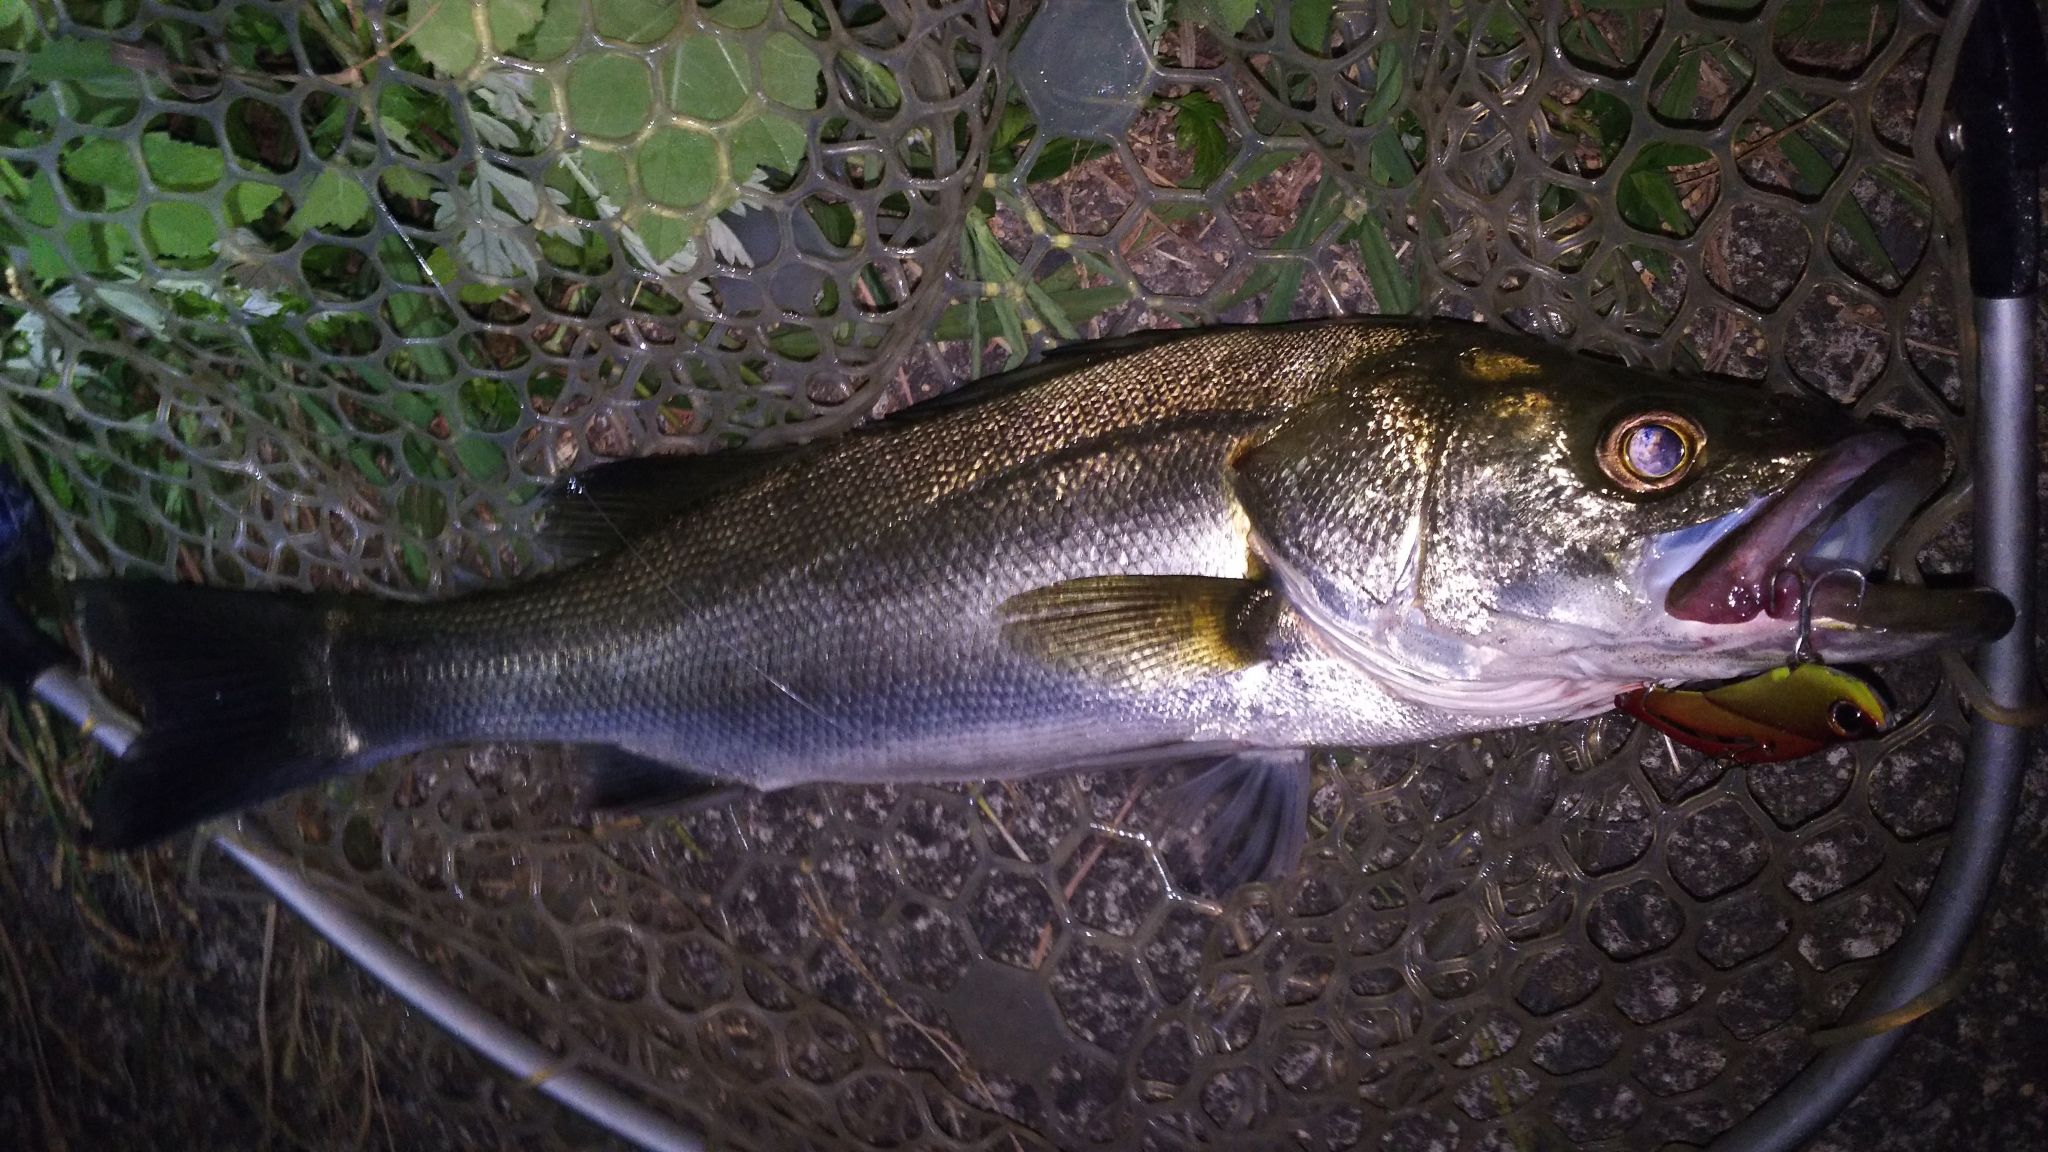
{"x":622,"y":781}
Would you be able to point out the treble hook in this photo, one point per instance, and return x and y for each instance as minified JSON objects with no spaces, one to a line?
{"x":1802,"y":643}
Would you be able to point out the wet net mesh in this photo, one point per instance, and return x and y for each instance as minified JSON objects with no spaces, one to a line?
{"x":318,"y":293}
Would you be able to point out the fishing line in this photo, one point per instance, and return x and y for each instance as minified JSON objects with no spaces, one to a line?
{"x":1937,"y":995}
{"x":1977,"y":696}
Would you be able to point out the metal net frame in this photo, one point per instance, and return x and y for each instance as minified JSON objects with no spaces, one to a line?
{"x":326,"y":312}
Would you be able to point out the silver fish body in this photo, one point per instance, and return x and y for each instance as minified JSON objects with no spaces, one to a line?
{"x":1244,"y":541}
{"x":840,"y":618}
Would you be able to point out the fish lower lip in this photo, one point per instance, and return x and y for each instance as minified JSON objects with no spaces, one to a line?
{"x":1859,"y":492}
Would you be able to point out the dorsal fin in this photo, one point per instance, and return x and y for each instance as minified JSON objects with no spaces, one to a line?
{"x":1057,"y":362}
{"x":594,"y":511}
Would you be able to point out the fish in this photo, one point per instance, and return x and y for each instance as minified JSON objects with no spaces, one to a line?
{"x":1214,"y":550}
{"x":1782,"y":714}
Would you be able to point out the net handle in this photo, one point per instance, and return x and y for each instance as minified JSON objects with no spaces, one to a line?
{"x":1996,"y":48}
{"x":444,"y":1004}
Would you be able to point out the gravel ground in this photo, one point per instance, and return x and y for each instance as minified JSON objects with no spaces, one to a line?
{"x":143,"y":1033}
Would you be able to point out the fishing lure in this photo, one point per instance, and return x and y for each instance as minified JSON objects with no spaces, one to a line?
{"x":1780,"y":715}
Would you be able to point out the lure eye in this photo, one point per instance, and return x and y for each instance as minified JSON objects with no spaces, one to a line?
{"x":1651,"y":451}
{"x":1849,"y":721}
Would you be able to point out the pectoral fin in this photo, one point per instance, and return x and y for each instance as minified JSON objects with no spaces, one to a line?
{"x":1142,"y":626}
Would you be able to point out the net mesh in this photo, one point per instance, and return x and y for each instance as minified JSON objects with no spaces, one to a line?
{"x":317,"y":293}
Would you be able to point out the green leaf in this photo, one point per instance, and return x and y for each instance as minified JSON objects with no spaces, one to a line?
{"x":1061,"y":155}
{"x":364,"y":457}
{"x":444,"y":34}
{"x":1394,"y":291}
{"x":1262,"y":165}
{"x":406,"y":183}
{"x":1608,"y":118}
{"x":1309,"y":24}
{"x":610,"y":94}
{"x":1840,"y":21}
{"x":1814,"y":170}
{"x":41,"y":209}
{"x":12,"y":12}
{"x":415,"y":560}
{"x":107,"y":166}
{"x":60,"y":485}
{"x":335,"y":202}
{"x":76,"y":58}
{"x":322,"y":419}
{"x":247,"y":201}
{"x":482,"y":293}
{"x":1681,"y":80}
{"x":560,"y":27}
{"x":1856,"y":224}
{"x":608,"y":171}
{"x":481,"y":458}
{"x":1198,"y":127}
{"x":99,"y":248}
{"x":1323,"y":206}
{"x":835,"y":221}
{"x":663,"y":235}
{"x":1077,"y":305}
{"x":1648,"y":194}
{"x":509,"y":20}
{"x":414,"y":408}
{"x":179,"y":228}
{"x":1226,"y":16}
{"x":1017,"y":123}
{"x":634,"y":21}
{"x":767,"y":141}
{"x":1391,"y":71}
{"x":789,"y":72}
{"x":46,"y":260}
{"x":679,"y":167}
{"x":876,"y":88}
{"x":738,"y":13}
{"x":441,"y":266}
{"x":179,"y":166}
{"x":490,"y":405}
{"x":705,"y":77}
{"x":1388,"y":160}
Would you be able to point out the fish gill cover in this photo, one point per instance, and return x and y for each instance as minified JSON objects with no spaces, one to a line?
{"x":318,"y":294}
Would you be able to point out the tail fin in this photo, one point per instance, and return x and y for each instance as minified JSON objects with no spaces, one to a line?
{"x":233,"y":697}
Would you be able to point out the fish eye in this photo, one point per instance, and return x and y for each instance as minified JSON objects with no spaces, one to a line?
{"x":1651,"y":451}
{"x":1849,"y":721}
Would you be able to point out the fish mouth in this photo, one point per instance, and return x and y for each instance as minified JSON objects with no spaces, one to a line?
{"x":1814,"y":544}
